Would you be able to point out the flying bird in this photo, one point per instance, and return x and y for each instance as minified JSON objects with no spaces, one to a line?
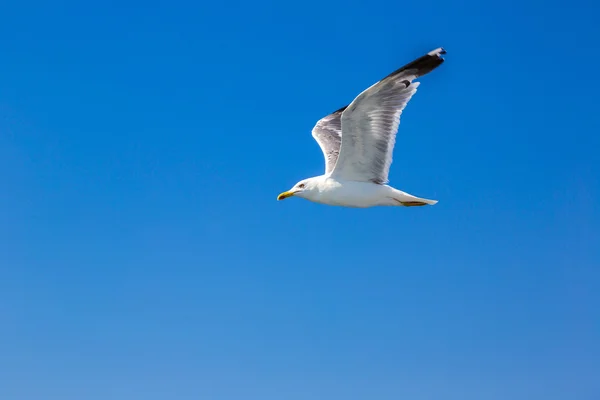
{"x":358,"y":141}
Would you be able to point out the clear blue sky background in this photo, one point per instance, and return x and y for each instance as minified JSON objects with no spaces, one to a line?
{"x":143,"y":254}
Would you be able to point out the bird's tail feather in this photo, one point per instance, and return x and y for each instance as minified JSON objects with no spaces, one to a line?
{"x":408,"y":200}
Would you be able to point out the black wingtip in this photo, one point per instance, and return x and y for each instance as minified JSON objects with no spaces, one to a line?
{"x":423,"y":65}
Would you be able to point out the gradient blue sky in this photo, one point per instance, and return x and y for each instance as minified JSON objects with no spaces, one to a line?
{"x":143,"y":254}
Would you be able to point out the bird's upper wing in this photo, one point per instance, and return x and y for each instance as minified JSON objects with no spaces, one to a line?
{"x":328,"y":134}
{"x":371,"y":121}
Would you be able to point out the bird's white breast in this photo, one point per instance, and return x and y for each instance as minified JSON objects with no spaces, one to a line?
{"x":351,"y":193}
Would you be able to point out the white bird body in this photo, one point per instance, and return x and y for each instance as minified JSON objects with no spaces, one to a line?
{"x":328,"y":190}
{"x":358,"y":140}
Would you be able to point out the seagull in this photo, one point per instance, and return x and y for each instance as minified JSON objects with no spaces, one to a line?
{"x":358,"y":141}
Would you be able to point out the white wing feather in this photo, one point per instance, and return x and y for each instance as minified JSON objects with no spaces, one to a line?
{"x":328,"y":134}
{"x":369,"y":127}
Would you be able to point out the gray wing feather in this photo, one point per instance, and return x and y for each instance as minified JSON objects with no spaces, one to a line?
{"x":370,"y":125}
{"x":328,"y":134}
{"x":371,"y":121}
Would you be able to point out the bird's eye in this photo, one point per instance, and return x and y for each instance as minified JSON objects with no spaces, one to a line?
{"x":301,"y":186}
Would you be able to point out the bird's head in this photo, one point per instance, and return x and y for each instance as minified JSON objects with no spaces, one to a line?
{"x":305,"y":188}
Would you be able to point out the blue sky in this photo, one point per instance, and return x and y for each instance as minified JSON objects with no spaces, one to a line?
{"x":143,"y":254}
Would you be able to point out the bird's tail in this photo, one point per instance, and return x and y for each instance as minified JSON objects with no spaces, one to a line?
{"x":408,"y":200}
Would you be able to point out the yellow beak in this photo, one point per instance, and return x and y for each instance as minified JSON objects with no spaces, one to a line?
{"x":285,"y":195}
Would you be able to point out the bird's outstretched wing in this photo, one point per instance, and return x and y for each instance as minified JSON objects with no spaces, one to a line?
{"x":371,"y":121}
